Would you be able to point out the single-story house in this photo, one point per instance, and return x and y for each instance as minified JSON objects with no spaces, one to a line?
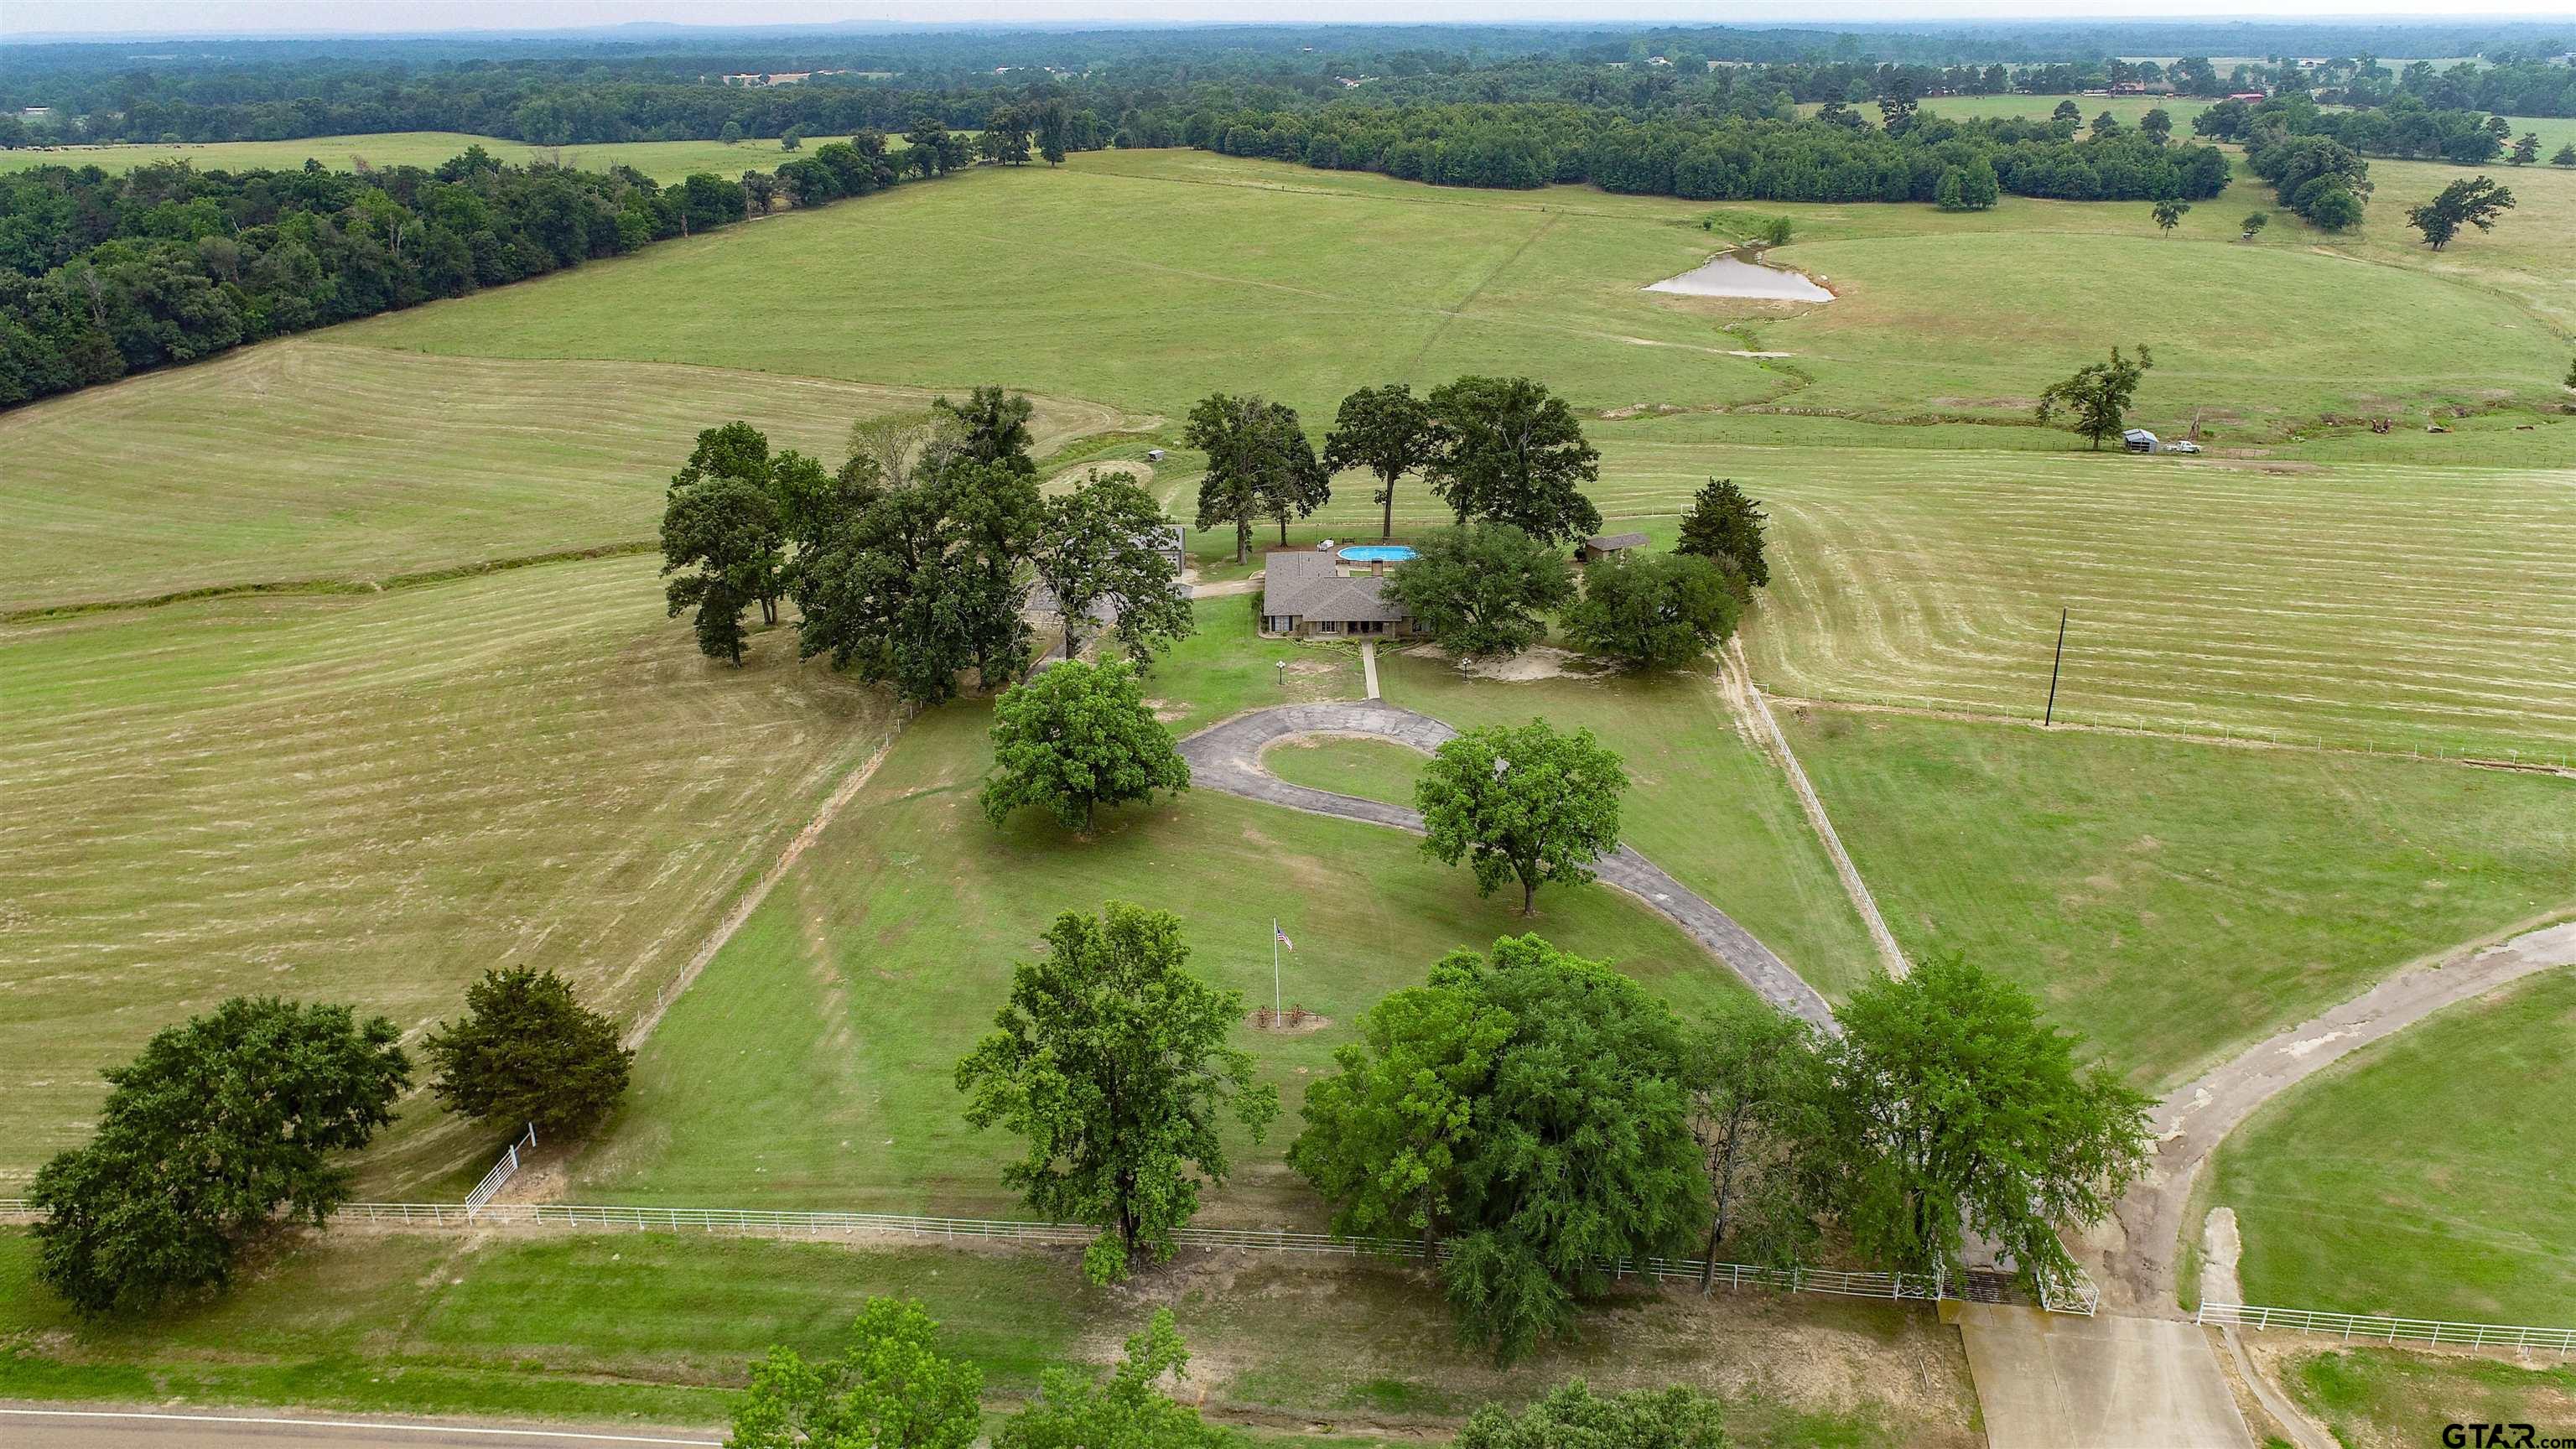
{"x":2139,"y":440}
{"x":1308,"y":594}
{"x":1602,"y":545}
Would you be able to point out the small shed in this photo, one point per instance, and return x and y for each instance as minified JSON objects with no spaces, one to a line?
{"x":2139,"y":440}
{"x":1602,"y":545}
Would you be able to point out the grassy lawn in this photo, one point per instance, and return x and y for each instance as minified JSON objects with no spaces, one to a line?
{"x":2377,"y":1398}
{"x":304,"y":460}
{"x":2431,"y":1176}
{"x":882,"y":956}
{"x":664,"y":161}
{"x":660,"y":1328}
{"x":372,"y":798}
{"x":1370,"y":769}
{"x":2175,"y":902}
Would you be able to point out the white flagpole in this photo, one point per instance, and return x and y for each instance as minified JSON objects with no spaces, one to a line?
{"x":1274,"y":971}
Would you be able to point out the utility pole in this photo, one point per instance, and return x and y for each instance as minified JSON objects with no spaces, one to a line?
{"x":2054,"y":665}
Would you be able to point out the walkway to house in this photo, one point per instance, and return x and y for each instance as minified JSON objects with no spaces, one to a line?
{"x":1227,"y":757}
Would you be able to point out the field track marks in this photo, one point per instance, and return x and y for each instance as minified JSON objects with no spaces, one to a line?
{"x":1735,"y":679}
{"x":1454,"y":313}
{"x":1226,"y":756}
{"x":2136,"y":1266}
{"x":847,"y":791}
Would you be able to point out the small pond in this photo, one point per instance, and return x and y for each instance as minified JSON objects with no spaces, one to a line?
{"x":1731,"y":275}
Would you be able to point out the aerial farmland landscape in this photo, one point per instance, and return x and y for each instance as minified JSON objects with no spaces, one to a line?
{"x":725,"y":724}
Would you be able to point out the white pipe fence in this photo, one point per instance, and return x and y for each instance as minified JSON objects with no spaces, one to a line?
{"x":1841,"y":1283}
{"x":2077,"y":1297}
{"x":2375,"y":1328}
{"x":502,"y":1170}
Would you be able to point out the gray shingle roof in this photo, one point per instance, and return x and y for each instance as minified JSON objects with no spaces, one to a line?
{"x":1306,"y":585}
{"x":1604,"y":542}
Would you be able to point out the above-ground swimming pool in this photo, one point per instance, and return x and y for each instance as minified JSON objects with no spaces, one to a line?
{"x":1376,"y":553}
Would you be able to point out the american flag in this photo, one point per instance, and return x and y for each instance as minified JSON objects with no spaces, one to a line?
{"x":1282,"y":935}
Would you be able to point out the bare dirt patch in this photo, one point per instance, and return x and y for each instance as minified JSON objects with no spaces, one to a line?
{"x":1539,"y":661}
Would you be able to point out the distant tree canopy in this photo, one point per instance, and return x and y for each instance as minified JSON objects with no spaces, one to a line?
{"x":527,"y":1051}
{"x":1729,"y":157}
{"x":2097,"y":396}
{"x":204,"y":1137}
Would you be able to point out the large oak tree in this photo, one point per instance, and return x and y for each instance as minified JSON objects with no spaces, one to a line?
{"x":1113,"y":1063}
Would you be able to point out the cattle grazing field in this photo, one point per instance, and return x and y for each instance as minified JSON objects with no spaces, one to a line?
{"x":338,"y":667}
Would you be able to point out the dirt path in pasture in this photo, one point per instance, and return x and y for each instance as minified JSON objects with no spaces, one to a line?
{"x":2133,"y":1253}
{"x":848,"y":790}
{"x":1735,"y":679}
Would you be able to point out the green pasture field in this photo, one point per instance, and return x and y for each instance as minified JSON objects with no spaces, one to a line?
{"x":2380,"y":1398}
{"x":1299,"y":284}
{"x":656,"y":1329}
{"x":2213,"y":595}
{"x":308,"y":462}
{"x":664,"y":161}
{"x":371,"y":798}
{"x":2429,"y":1176}
{"x":2175,"y":902}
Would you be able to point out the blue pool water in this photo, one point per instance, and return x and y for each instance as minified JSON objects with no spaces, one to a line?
{"x":1376,"y":553}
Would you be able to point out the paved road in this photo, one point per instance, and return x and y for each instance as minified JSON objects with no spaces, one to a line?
{"x":40,"y":1426}
{"x":2056,"y":1381}
{"x":2136,"y":1271}
{"x":1227,"y":757}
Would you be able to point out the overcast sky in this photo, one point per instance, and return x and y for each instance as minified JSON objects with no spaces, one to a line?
{"x":22,"y":17}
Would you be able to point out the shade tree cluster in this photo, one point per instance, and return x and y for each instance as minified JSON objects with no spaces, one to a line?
{"x":912,"y":563}
{"x":1540,"y":1119}
{"x":239,"y":1122}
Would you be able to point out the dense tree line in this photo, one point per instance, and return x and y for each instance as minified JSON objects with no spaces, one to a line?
{"x":2405,"y":128}
{"x":1734,"y":158}
{"x":102,"y":275}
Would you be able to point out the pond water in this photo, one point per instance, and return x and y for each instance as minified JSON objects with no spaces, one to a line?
{"x":1730,"y":275}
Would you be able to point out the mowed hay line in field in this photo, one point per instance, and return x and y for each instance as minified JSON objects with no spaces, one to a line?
{"x":373,"y":799}
{"x":303,"y":460}
{"x":2392,"y":607}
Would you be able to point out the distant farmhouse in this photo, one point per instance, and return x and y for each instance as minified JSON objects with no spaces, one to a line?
{"x":1309,"y":594}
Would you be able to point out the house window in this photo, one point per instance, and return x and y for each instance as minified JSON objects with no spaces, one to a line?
{"x":1328,"y":626}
